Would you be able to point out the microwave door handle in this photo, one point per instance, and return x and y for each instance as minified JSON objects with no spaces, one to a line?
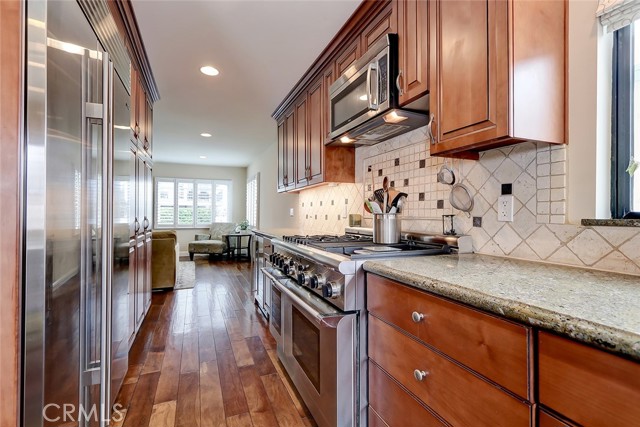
{"x":371,"y":67}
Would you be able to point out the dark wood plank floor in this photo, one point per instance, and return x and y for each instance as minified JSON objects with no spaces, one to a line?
{"x":204,"y":357}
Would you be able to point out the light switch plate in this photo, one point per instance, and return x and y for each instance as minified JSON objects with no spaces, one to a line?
{"x":505,"y":208}
{"x":290,"y":211}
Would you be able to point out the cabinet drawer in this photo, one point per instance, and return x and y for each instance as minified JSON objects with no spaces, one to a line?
{"x":588,"y":386}
{"x":495,"y":348}
{"x":394,"y":406}
{"x":547,"y":420}
{"x":457,"y":395}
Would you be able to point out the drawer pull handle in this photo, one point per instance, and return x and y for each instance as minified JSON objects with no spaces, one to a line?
{"x":417,"y":317}
{"x":420,"y":375}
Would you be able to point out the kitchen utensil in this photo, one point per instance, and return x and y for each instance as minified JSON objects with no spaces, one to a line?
{"x":379,"y":194}
{"x":386,"y":228}
{"x":400,"y":203}
{"x":445,"y":175}
{"x":366,"y":206}
{"x":396,"y":198}
{"x":385,"y":187}
{"x":461,"y":198}
{"x":373,"y":207}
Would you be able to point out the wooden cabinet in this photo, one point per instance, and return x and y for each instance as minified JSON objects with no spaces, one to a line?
{"x":301,"y":144}
{"x":348,"y":56}
{"x":390,"y":405}
{"x":496,"y":74}
{"x":586,"y":385}
{"x":282,"y":156}
{"x":413,"y":49}
{"x":493,"y":347}
{"x":315,"y":125}
{"x":385,"y":22}
{"x":545,"y":419}
{"x":141,"y":113}
{"x":449,"y":389}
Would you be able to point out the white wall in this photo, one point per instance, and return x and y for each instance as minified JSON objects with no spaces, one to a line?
{"x":589,"y":117}
{"x":237,"y":175}
{"x":274,"y":206}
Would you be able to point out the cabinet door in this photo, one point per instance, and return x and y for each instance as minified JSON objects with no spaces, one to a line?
{"x":132,"y":191}
{"x":282,"y":155}
{"x":384,"y":23}
{"x":148,"y":126}
{"x":147,"y":270}
{"x":413,"y":49}
{"x":290,"y":141}
{"x":133,"y":277}
{"x":148,"y":198}
{"x":315,"y":121}
{"x":468,"y":72}
{"x":142,"y":116}
{"x":133,"y":102}
{"x":329,"y":78}
{"x":140,"y":281}
{"x":301,"y":153}
{"x":348,"y":56}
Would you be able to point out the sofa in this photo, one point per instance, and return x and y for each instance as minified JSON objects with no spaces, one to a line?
{"x":213,"y":243}
{"x":165,"y":255}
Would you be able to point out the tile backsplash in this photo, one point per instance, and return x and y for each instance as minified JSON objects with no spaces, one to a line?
{"x":537,"y":172}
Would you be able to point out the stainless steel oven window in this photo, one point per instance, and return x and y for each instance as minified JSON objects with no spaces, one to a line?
{"x":306,"y":346}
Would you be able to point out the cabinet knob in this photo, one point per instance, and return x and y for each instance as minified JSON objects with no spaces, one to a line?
{"x":420,"y":375}
{"x":417,"y":317}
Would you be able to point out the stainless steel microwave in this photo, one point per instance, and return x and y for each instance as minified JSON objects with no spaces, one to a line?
{"x":363,"y":102}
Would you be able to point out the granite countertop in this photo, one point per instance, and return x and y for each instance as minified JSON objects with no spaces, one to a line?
{"x":597,"y":308}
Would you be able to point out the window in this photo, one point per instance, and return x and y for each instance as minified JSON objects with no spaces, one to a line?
{"x":253,"y":198}
{"x":625,"y":126}
{"x":191,"y":203}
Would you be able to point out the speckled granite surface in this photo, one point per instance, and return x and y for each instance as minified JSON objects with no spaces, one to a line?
{"x":611,"y":222}
{"x":598,"y":308}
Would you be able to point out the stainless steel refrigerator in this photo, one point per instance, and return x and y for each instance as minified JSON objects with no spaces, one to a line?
{"x":76,"y":273}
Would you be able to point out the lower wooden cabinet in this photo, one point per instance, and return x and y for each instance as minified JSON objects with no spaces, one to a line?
{"x":588,"y":386}
{"x":450,"y":390}
{"x":545,"y":419}
{"x":434,"y":360}
{"x":390,"y":405}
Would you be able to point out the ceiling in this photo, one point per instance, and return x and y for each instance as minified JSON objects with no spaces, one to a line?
{"x":261,"y":49}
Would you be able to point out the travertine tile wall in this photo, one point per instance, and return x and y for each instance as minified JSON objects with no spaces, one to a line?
{"x":322,"y":209}
{"x":538,"y":175}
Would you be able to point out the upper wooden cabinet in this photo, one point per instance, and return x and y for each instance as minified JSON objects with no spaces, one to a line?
{"x":413,"y":49}
{"x":497,"y":74}
{"x":141,"y":113}
{"x":303,"y":159}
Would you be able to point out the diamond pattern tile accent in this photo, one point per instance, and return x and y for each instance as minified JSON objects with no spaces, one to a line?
{"x":617,"y":263}
{"x":543,"y":242}
{"x":507,"y":239}
{"x":617,"y":235}
{"x":524,"y":251}
{"x":565,"y":256}
{"x":589,"y":247}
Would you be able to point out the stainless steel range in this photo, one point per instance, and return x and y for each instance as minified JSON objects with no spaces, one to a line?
{"x":317,"y":315}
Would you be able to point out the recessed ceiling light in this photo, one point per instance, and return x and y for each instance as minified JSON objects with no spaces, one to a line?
{"x":203,"y":157}
{"x":206,"y":135}
{"x":209,"y":71}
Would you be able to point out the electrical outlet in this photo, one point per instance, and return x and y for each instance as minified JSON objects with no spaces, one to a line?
{"x":290,"y":211}
{"x":505,"y":208}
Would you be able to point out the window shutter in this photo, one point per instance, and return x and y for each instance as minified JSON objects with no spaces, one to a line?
{"x":616,"y":14}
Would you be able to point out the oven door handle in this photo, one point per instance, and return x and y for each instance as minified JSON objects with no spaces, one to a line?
{"x":322,"y":321}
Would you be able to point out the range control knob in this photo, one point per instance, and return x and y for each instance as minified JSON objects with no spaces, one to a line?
{"x":302,"y":267}
{"x":331,"y":290}
{"x":316,"y":281}
{"x":272,"y":258}
{"x":285,"y":268}
{"x":291,"y":262}
{"x":304,"y":279}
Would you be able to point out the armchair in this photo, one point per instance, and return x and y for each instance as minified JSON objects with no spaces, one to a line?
{"x":212,"y":243}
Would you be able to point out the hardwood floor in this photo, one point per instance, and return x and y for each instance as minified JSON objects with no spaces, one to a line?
{"x":205,"y":357}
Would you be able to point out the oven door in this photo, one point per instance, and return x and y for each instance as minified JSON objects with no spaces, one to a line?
{"x":320,"y":354}
{"x":275,"y":305}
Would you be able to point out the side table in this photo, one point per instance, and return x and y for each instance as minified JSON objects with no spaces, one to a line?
{"x":235,"y":249}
